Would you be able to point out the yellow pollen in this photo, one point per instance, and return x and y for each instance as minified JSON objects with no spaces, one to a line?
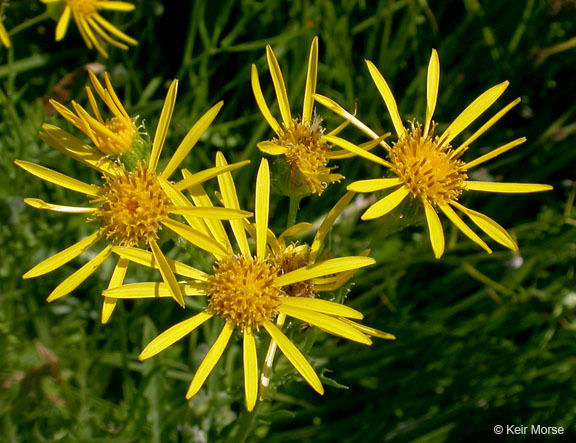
{"x":426,"y":167}
{"x":243,"y":291}
{"x":294,"y":257}
{"x":83,"y":8}
{"x":134,"y":205}
{"x":306,"y":152}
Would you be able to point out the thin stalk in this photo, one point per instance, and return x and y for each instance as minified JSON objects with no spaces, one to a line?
{"x":293,"y":211}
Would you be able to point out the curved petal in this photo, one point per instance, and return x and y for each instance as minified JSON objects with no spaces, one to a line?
{"x":63,"y":22}
{"x":328,"y":267}
{"x":261,"y":102}
{"x":271,"y":148}
{"x":492,"y":154}
{"x":279,"y":86}
{"x":196,"y":237}
{"x":262,"y":208}
{"x":200,"y":177}
{"x":210,"y":360}
{"x":385,"y":205}
{"x":376,"y":184}
{"x":250,"y":358}
{"x":322,"y":306}
{"x":57,"y":178}
{"x":166,"y":272}
{"x":435,"y":228}
{"x":345,"y":144}
{"x":506,"y":188}
{"x":163,"y":124}
{"x":388,"y":97}
{"x":454,"y":218}
{"x":311,"y":77}
{"x":433,"y":80}
{"x":40,"y":204}
{"x":116,"y":280}
{"x":172,"y":335}
{"x":295,"y":357}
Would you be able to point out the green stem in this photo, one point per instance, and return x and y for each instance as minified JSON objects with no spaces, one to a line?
{"x":293,"y":211}
{"x":246,"y":424}
{"x":29,"y":23}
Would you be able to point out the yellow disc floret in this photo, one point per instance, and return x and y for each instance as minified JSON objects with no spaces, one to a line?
{"x":133,"y":206}
{"x":121,"y":139}
{"x":243,"y":291}
{"x":307,"y":153}
{"x":427,"y":167}
{"x":83,"y":8}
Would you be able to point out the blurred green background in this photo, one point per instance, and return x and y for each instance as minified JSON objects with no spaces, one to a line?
{"x":482,"y":339}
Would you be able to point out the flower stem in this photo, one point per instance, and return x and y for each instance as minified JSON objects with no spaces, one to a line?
{"x":29,"y":23}
{"x":293,"y":211}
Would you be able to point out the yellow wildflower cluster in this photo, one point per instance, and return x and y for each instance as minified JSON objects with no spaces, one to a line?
{"x":256,"y":279}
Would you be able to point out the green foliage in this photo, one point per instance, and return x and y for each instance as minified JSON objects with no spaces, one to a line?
{"x":481,"y":339}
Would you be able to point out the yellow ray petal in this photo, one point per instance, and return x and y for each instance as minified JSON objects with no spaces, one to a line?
{"x":454,"y":218}
{"x":311,"y":76}
{"x":435,"y":228}
{"x":327,"y":224}
{"x":343,"y":153}
{"x":84,"y":23}
{"x":62,"y":25}
{"x":81,"y":26}
{"x":329,"y":284}
{"x":116,"y":280}
{"x":385,"y":205}
{"x":154,"y":290}
{"x":4,"y":38}
{"x":368,"y":330}
{"x":210,"y":212}
{"x":298,"y":228}
{"x":322,"y":306}
{"x":167,"y":274}
{"x":279,"y":86}
{"x":40,"y":204}
{"x":495,"y":153}
{"x":92,"y":101}
{"x":196,"y":238}
{"x":326,"y":323}
{"x":115,"y":5}
{"x":262,"y":208}
{"x":473,"y":111}
{"x":111,"y":98}
{"x":172,"y":335}
{"x":163,"y":124}
{"x":376,"y":184}
{"x":230,"y":197}
{"x":261,"y":102}
{"x":210,"y":360}
{"x":489,"y":226}
{"x":114,"y":30}
{"x":485,"y":127}
{"x":388,"y":97}
{"x":63,"y":257}
{"x":179,"y":199}
{"x":57,"y":178}
{"x":146,"y":258}
{"x":271,"y":148}
{"x":328,"y":267}
{"x":432,"y":89}
{"x":216,"y":227}
{"x":506,"y":188}
{"x":191,"y":139}
{"x":102,"y":33}
{"x":76,"y":279}
{"x":200,"y":177}
{"x":250,"y":369}
{"x":336,"y":108}
{"x":295,"y":357}
{"x":345,"y":144}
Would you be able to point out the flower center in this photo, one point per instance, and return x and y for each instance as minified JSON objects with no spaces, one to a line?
{"x":426,"y":167}
{"x":124,"y":132}
{"x":294,"y":257}
{"x":307,"y":152}
{"x":243,"y":291}
{"x":134,"y":205}
{"x":84,"y":8}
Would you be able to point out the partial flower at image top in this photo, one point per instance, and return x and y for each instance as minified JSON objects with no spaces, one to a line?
{"x":95,"y":30}
{"x":428,"y":168}
{"x":300,"y":140}
{"x":250,"y":290}
{"x":134,"y":200}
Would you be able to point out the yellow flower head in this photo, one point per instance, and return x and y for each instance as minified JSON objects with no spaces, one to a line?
{"x":95,"y":30}
{"x":4,"y":38}
{"x":248,"y":291}
{"x":428,"y":167}
{"x":131,"y":206}
{"x":116,"y":135}
{"x":301,"y":140}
